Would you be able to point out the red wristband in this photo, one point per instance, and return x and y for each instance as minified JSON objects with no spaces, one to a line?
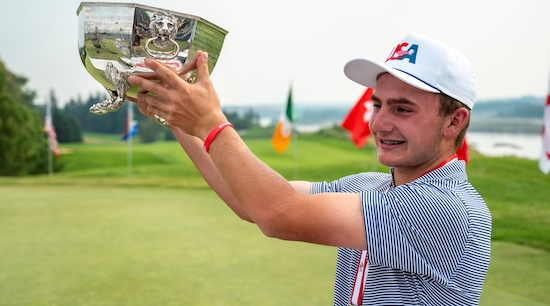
{"x":215,"y":131}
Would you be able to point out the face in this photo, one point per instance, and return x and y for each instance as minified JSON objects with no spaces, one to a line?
{"x":407,"y":127}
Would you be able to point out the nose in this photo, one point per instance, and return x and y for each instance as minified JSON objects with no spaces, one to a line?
{"x":380,"y":122}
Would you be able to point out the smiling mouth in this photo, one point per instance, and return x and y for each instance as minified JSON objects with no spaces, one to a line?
{"x":391,"y":143}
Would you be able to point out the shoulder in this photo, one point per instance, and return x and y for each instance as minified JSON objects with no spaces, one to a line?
{"x":365,"y":181}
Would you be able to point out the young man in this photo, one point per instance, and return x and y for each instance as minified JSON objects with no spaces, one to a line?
{"x":417,"y":236}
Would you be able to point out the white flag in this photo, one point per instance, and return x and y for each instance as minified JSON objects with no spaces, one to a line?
{"x":544,"y":162}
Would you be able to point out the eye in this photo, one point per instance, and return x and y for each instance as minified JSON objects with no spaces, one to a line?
{"x":403,"y":110}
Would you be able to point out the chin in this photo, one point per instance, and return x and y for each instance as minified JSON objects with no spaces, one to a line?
{"x":387,"y":161}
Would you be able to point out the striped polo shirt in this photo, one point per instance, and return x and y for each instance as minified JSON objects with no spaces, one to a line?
{"x":428,"y":241}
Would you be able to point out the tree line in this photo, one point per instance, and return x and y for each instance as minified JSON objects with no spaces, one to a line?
{"x":23,"y":143}
{"x":115,"y":122}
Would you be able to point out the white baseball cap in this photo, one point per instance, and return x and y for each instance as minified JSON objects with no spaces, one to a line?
{"x":424,"y":63}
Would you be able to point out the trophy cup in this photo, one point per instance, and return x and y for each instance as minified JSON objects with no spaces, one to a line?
{"x":115,"y":38}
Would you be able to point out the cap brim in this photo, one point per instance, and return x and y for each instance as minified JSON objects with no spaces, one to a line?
{"x":366,"y":73}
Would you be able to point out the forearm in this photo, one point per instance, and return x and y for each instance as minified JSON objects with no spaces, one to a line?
{"x":268,"y":198}
{"x":202,"y":161}
{"x":282,"y":209}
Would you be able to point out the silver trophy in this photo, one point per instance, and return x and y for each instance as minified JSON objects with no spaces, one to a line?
{"x":115,"y":38}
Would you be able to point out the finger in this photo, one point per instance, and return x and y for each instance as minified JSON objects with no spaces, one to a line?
{"x":151,"y":104}
{"x":192,"y":64}
{"x":164,"y":73}
{"x":131,"y":99}
{"x":147,"y":85}
{"x":145,"y":112}
{"x":146,"y":75}
{"x":202,"y":67}
{"x":143,"y":108}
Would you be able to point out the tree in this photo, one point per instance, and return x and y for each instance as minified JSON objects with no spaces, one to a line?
{"x":66,"y":127}
{"x":23,"y":145}
{"x":14,"y":86}
{"x":111,"y":123}
{"x":150,"y":131}
{"x":243,"y":121}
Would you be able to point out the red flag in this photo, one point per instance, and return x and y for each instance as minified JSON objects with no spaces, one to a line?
{"x":50,"y":132}
{"x":462,"y":152}
{"x":357,"y":120}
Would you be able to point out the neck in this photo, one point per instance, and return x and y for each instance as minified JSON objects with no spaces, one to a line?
{"x":406,"y":175}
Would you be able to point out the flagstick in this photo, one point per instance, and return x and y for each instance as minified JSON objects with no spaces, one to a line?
{"x":294,"y":140}
{"x":129,"y":140}
{"x":50,"y":162}
{"x":50,"y":155}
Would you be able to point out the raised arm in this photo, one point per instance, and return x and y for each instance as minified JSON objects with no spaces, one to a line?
{"x":280,"y":209}
{"x":193,"y":146}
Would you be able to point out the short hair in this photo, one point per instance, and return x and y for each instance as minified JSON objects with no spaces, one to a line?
{"x":447,"y":105}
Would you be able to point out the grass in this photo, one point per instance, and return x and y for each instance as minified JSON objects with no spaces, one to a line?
{"x":109,"y":246}
{"x":518,"y":195}
{"x":95,"y":235}
{"x":517,"y":275}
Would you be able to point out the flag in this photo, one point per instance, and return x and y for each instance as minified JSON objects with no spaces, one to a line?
{"x":131,"y":125}
{"x":49,"y":129}
{"x":283,"y":131}
{"x":544,"y":162}
{"x":462,"y":152}
{"x":357,"y":120}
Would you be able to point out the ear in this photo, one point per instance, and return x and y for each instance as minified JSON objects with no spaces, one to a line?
{"x":455,"y":122}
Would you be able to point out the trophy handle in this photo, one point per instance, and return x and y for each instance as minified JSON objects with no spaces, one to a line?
{"x":159,"y":54}
{"x":119,"y":79}
{"x":164,"y":28}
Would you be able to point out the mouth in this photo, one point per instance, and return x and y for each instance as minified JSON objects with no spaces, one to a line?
{"x":391,"y":142}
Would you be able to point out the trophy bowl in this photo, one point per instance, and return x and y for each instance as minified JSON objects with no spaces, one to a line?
{"x":115,"y":38}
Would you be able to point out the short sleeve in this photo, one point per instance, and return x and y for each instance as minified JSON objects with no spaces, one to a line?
{"x":416,"y":228}
{"x":354,"y":183}
{"x":324,"y":187}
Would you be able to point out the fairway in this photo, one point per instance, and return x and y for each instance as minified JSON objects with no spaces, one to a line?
{"x":95,"y":235}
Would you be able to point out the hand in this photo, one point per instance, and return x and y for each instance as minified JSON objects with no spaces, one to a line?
{"x":193,"y":108}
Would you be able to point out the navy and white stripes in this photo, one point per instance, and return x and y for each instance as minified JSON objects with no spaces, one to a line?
{"x":428,"y":241}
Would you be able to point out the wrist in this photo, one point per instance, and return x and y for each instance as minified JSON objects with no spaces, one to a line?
{"x":207,"y":124}
{"x":214,"y":133}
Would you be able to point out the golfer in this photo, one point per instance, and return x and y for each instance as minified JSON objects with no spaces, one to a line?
{"x":419,"y":235}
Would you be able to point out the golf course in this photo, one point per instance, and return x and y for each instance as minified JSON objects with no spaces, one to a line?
{"x":116,"y":229}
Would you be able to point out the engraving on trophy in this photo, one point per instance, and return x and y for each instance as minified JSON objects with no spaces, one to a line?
{"x":115,"y":38}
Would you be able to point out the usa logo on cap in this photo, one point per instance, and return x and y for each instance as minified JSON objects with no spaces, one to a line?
{"x":401,"y":52}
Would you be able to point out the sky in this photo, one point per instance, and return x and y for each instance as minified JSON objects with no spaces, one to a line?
{"x":274,"y":43}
